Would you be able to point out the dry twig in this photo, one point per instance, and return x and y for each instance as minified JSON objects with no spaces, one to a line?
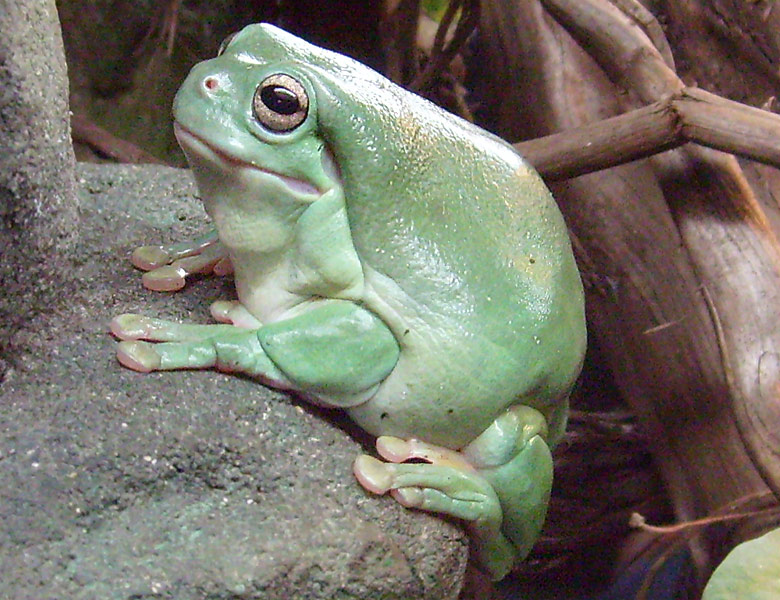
{"x":442,"y":54}
{"x":87,"y":132}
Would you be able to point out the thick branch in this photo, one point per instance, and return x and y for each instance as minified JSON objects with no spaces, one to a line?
{"x":722,"y":225}
{"x":725,"y":125}
{"x":603,"y":144}
{"x":692,"y":115}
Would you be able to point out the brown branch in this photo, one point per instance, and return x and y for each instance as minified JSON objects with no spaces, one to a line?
{"x":618,"y":44}
{"x":645,"y":19}
{"x":85,"y":131}
{"x":691,"y":115}
{"x":625,"y":138}
{"x":730,"y":126}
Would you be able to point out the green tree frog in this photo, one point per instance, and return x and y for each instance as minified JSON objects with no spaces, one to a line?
{"x":391,"y":260}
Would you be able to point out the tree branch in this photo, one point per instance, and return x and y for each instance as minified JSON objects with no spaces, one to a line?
{"x":691,"y":115}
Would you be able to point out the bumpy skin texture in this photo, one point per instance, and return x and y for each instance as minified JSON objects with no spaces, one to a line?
{"x":389,"y":259}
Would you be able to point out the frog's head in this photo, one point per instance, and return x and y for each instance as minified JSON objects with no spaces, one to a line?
{"x":251,"y":113}
{"x":274,"y":102}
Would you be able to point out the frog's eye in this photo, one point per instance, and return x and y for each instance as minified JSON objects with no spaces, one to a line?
{"x":225,"y":43}
{"x":280,"y":103}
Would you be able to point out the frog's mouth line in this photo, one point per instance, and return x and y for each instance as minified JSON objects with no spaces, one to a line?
{"x":187,"y":138}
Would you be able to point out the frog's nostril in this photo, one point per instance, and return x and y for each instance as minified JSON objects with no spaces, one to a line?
{"x":211,"y":83}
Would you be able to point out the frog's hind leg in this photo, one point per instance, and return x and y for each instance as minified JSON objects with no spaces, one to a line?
{"x":513,"y":455}
{"x":499,"y":484}
{"x":458,"y":491}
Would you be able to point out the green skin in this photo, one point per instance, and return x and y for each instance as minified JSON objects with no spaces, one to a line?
{"x":391,"y":260}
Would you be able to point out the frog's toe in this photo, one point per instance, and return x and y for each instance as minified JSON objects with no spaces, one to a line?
{"x":397,"y":450}
{"x":147,"y":258}
{"x":373,"y":474}
{"x":172,"y":277}
{"x":379,"y":477}
{"x":233,"y":312}
{"x":138,"y":327}
{"x":168,"y":278}
{"x":412,"y":497}
{"x":130,"y":327}
{"x":138,"y":356}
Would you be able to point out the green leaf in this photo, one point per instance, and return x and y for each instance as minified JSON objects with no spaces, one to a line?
{"x":435,"y":9}
{"x":751,"y":571}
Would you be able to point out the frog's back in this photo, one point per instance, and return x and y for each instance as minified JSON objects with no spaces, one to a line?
{"x":473,"y":239}
{"x":448,"y":211}
{"x":462,"y":224}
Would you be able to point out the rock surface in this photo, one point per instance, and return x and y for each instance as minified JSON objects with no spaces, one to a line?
{"x":37,"y":188}
{"x":184,"y":485}
{"x":38,"y":203}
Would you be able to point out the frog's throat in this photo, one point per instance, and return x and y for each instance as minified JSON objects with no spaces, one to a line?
{"x":192,"y":141}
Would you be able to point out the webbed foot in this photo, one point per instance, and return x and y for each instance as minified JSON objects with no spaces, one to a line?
{"x":447,"y":483}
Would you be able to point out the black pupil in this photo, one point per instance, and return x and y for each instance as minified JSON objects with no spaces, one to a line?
{"x":280,"y":100}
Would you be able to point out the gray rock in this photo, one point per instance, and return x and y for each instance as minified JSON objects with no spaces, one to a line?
{"x":38,"y":203}
{"x":185,"y":485}
{"x":37,"y":187}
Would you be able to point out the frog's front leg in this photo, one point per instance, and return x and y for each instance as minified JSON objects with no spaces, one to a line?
{"x":169,"y":266}
{"x":335,"y":352}
{"x":500,"y":483}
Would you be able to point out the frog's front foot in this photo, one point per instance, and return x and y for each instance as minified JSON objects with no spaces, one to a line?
{"x":447,"y":484}
{"x":169,"y":266}
{"x":150,"y":344}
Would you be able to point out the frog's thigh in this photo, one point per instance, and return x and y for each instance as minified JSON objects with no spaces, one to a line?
{"x":513,"y":456}
{"x":336,"y":348}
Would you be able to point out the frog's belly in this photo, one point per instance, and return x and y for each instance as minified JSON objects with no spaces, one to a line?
{"x":445,"y":405}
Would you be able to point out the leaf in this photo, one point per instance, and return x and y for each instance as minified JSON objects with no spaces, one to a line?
{"x":751,"y":571}
{"x":435,"y":9}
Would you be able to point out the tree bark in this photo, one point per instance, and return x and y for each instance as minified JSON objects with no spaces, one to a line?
{"x":734,"y":250}
{"x":675,"y":252}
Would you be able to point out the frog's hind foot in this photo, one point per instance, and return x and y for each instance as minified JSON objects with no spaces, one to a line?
{"x":446,"y":483}
{"x":499,"y":483}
